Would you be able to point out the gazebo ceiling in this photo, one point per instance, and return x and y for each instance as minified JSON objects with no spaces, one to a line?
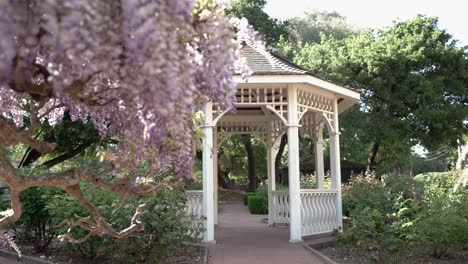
{"x":269,"y":70}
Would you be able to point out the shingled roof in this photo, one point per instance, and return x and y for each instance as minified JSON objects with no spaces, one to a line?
{"x":262,"y":62}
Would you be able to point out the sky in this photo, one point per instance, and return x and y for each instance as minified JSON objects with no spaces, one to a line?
{"x":453,"y":14}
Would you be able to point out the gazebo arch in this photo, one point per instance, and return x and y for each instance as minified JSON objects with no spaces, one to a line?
{"x":281,"y":97}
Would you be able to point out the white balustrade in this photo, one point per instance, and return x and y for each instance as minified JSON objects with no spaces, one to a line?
{"x":281,"y":206}
{"x":194,"y":203}
{"x":318,"y":210}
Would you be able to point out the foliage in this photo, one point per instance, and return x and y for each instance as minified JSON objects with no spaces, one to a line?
{"x":257,"y":204}
{"x":166,"y":227}
{"x":389,"y":216}
{"x":117,"y":70}
{"x":443,"y":222}
{"x":36,"y":223}
{"x":166,"y":224}
{"x":233,"y":160}
{"x":381,"y":212}
{"x":310,"y":27}
{"x":246,"y":195}
{"x":270,"y":28}
{"x":62,"y":206}
{"x":309,"y":181}
{"x":413,"y":79}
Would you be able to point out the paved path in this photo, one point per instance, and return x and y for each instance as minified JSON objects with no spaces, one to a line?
{"x":8,"y":261}
{"x":244,"y":238}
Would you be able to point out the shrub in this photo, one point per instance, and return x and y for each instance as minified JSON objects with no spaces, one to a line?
{"x":379,"y":219}
{"x":63,"y":206}
{"x":443,"y":221}
{"x":389,"y":216}
{"x":36,"y":222}
{"x":166,"y":227}
{"x":257,"y":204}
{"x":246,"y":195}
{"x":166,"y":224}
{"x":364,"y":192}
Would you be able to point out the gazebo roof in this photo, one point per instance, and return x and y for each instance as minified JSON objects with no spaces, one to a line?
{"x":262,"y":62}
{"x":269,"y":69}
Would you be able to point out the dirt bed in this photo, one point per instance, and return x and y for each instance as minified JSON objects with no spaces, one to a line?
{"x":343,"y":257}
{"x":61,"y":255}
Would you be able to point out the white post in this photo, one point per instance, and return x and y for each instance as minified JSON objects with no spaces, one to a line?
{"x":293,"y":168}
{"x":319,"y":167}
{"x":335,"y":165}
{"x":215,"y":174}
{"x":208,"y":183}
{"x":271,"y":175}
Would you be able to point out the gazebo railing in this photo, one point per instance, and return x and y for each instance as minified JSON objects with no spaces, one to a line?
{"x":194,"y":203}
{"x":195,"y":206}
{"x":318,"y":210}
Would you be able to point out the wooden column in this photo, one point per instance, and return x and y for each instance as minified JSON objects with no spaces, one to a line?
{"x":319,"y":166}
{"x":293,"y":168}
{"x":208,"y":179}
{"x":215,"y":174}
{"x":335,"y":165}
{"x":271,"y":174}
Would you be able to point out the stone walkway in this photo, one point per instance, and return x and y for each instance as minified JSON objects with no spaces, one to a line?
{"x":244,"y":238}
{"x":8,"y":261}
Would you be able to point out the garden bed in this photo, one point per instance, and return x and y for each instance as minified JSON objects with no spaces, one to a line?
{"x":62,"y":255}
{"x":342,"y":256}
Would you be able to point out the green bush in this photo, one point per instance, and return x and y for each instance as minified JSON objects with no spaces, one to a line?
{"x":166,"y":225}
{"x":443,"y":221}
{"x":246,"y":195}
{"x":379,"y":212}
{"x":36,"y":222}
{"x":166,"y":228}
{"x":388,"y":217}
{"x":257,"y":204}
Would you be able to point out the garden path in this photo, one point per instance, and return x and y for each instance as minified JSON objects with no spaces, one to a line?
{"x":245,"y":238}
{"x":8,"y":261}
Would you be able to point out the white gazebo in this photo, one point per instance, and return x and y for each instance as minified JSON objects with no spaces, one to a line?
{"x":279,"y":97}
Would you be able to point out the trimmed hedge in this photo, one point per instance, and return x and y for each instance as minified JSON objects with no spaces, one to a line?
{"x":246,"y":195}
{"x":257,"y":204}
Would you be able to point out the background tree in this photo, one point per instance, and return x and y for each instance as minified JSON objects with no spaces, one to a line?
{"x":414,"y":82}
{"x":312,"y":25}
{"x":121,"y":65}
{"x":253,"y":10}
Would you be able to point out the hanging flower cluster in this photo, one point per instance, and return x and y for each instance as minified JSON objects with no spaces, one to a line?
{"x":137,"y":68}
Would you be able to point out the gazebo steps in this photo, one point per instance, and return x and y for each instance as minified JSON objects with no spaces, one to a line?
{"x":321,"y":240}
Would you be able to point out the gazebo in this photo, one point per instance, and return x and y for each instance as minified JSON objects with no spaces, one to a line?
{"x":279,"y":97}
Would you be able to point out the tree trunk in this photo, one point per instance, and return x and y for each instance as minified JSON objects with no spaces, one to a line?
{"x":372,"y":155}
{"x":250,"y":163}
{"x":282,"y":146}
{"x":223,"y":179}
{"x":66,"y":156}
